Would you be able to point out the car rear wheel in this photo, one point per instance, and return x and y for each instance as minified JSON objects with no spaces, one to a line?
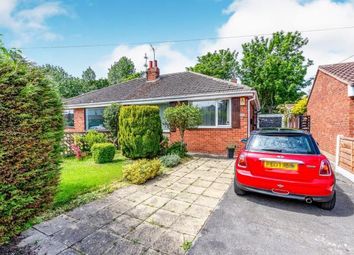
{"x":238,"y":190}
{"x":330,"y":204}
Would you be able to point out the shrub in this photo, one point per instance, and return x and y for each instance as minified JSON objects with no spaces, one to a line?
{"x":178,"y":148}
{"x":142,"y":170}
{"x":93,"y":136}
{"x":111,"y":118}
{"x":103,"y":152}
{"x":140,"y":131}
{"x":85,"y":142}
{"x":164,"y":145}
{"x":77,"y":151}
{"x":170,"y":160}
{"x":31,"y":130}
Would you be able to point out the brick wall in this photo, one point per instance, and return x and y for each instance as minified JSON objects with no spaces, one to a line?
{"x":79,"y":121}
{"x":215,"y":140}
{"x":329,"y":107}
{"x":351,"y":117}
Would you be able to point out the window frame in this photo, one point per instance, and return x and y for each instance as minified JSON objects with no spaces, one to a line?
{"x":161,"y":117}
{"x":73,"y":113}
{"x":216,"y":101}
{"x":87,"y":120}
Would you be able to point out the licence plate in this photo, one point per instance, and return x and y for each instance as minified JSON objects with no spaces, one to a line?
{"x":281,"y":165}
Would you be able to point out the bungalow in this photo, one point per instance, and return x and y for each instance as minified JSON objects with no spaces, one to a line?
{"x":228,"y":108}
{"x":331,"y":105}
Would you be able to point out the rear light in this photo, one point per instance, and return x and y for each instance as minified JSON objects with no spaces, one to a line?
{"x":242,"y":160}
{"x":325,"y":168}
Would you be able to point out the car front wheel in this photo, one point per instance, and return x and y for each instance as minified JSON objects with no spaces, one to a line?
{"x":330,"y":204}
{"x":238,"y":190}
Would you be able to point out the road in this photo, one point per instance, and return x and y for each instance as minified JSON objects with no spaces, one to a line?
{"x":259,"y":224}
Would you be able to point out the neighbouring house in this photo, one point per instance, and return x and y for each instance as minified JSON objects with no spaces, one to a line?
{"x":228,"y":108}
{"x":331,"y":105}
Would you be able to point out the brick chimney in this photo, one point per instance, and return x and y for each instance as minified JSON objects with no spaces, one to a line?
{"x":153,"y":71}
{"x":234,"y":80}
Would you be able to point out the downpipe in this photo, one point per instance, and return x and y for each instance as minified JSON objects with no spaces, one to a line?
{"x":249,"y":114}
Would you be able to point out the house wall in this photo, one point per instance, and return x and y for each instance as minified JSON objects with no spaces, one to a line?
{"x":331,"y":111}
{"x":79,"y":121}
{"x":215,"y":140}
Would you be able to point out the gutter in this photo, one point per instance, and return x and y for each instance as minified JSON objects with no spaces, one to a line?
{"x":164,"y":99}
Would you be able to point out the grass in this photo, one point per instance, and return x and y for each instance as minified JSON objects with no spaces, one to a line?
{"x":83,"y":176}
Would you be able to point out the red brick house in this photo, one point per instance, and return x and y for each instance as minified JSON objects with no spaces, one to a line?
{"x":331,"y":104}
{"x":228,"y":108}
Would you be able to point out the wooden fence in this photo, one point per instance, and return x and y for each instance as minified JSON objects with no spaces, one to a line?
{"x":346,"y":153}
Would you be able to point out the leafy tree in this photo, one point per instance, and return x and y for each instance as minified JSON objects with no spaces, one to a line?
{"x":221,"y":64}
{"x":67,"y":85}
{"x":88,"y":74}
{"x":111,"y":120}
{"x":183,"y":117}
{"x":300,"y":106}
{"x":122,"y":70}
{"x":276,"y":67}
{"x":31,"y":130}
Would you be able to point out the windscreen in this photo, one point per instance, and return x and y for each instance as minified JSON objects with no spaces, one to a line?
{"x":282,"y":143}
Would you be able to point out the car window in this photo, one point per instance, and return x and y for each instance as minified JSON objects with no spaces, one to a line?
{"x":297,"y":144}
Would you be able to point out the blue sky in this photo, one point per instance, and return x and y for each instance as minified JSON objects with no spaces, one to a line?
{"x":33,"y":23}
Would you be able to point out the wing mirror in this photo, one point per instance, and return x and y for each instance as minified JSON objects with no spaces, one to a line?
{"x":244,"y":140}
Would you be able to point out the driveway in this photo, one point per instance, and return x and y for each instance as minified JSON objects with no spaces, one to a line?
{"x":258,"y":224}
{"x":159,"y":217}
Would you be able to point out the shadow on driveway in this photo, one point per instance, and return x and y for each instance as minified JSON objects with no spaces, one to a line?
{"x":344,"y":205}
{"x":259,"y":224}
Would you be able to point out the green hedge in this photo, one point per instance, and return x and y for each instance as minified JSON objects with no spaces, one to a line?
{"x":140,"y":131}
{"x":31,"y":130}
{"x":86,"y":141}
{"x":142,"y":170}
{"x":103,"y":152}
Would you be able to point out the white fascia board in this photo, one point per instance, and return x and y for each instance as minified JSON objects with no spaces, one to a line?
{"x":166,"y":99}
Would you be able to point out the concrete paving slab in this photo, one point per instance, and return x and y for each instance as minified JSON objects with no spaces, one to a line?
{"x":124,"y":224}
{"x":163,"y":218}
{"x":97,"y":243}
{"x":176,"y":206}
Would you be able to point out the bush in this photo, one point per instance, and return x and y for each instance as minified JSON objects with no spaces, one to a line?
{"x":140,"y":131}
{"x":178,"y":148}
{"x":111,"y":117}
{"x":31,"y":130}
{"x":170,"y":160}
{"x":86,"y":141}
{"x":142,"y":170}
{"x":93,"y":136}
{"x":103,"y":152}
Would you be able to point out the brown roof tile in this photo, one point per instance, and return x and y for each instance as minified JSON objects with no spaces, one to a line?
{"x":343,"y":71}
{"x":169,"y":85}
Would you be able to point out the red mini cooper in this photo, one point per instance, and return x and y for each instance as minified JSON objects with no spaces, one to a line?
{"x":285,"y":163}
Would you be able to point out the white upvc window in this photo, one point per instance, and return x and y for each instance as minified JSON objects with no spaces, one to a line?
{"x":215,"y":113}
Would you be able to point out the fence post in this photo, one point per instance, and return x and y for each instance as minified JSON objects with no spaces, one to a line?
{"x":338,"y":150}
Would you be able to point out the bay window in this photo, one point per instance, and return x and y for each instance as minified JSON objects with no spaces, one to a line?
{"x":215,"y":113}
{"x":94,"y":118}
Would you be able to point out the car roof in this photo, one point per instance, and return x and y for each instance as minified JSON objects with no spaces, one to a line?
{"x":280,"y":131}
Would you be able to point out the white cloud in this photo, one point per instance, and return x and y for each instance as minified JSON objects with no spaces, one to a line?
{"x":28,"y":24}
{"x":169,"y":60}
{"x":248,"y":17}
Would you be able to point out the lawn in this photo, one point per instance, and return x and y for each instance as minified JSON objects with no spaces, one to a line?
{"x":83,"y":176}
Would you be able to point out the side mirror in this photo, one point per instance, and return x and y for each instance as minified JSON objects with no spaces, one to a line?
{"x":244,"y":140}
